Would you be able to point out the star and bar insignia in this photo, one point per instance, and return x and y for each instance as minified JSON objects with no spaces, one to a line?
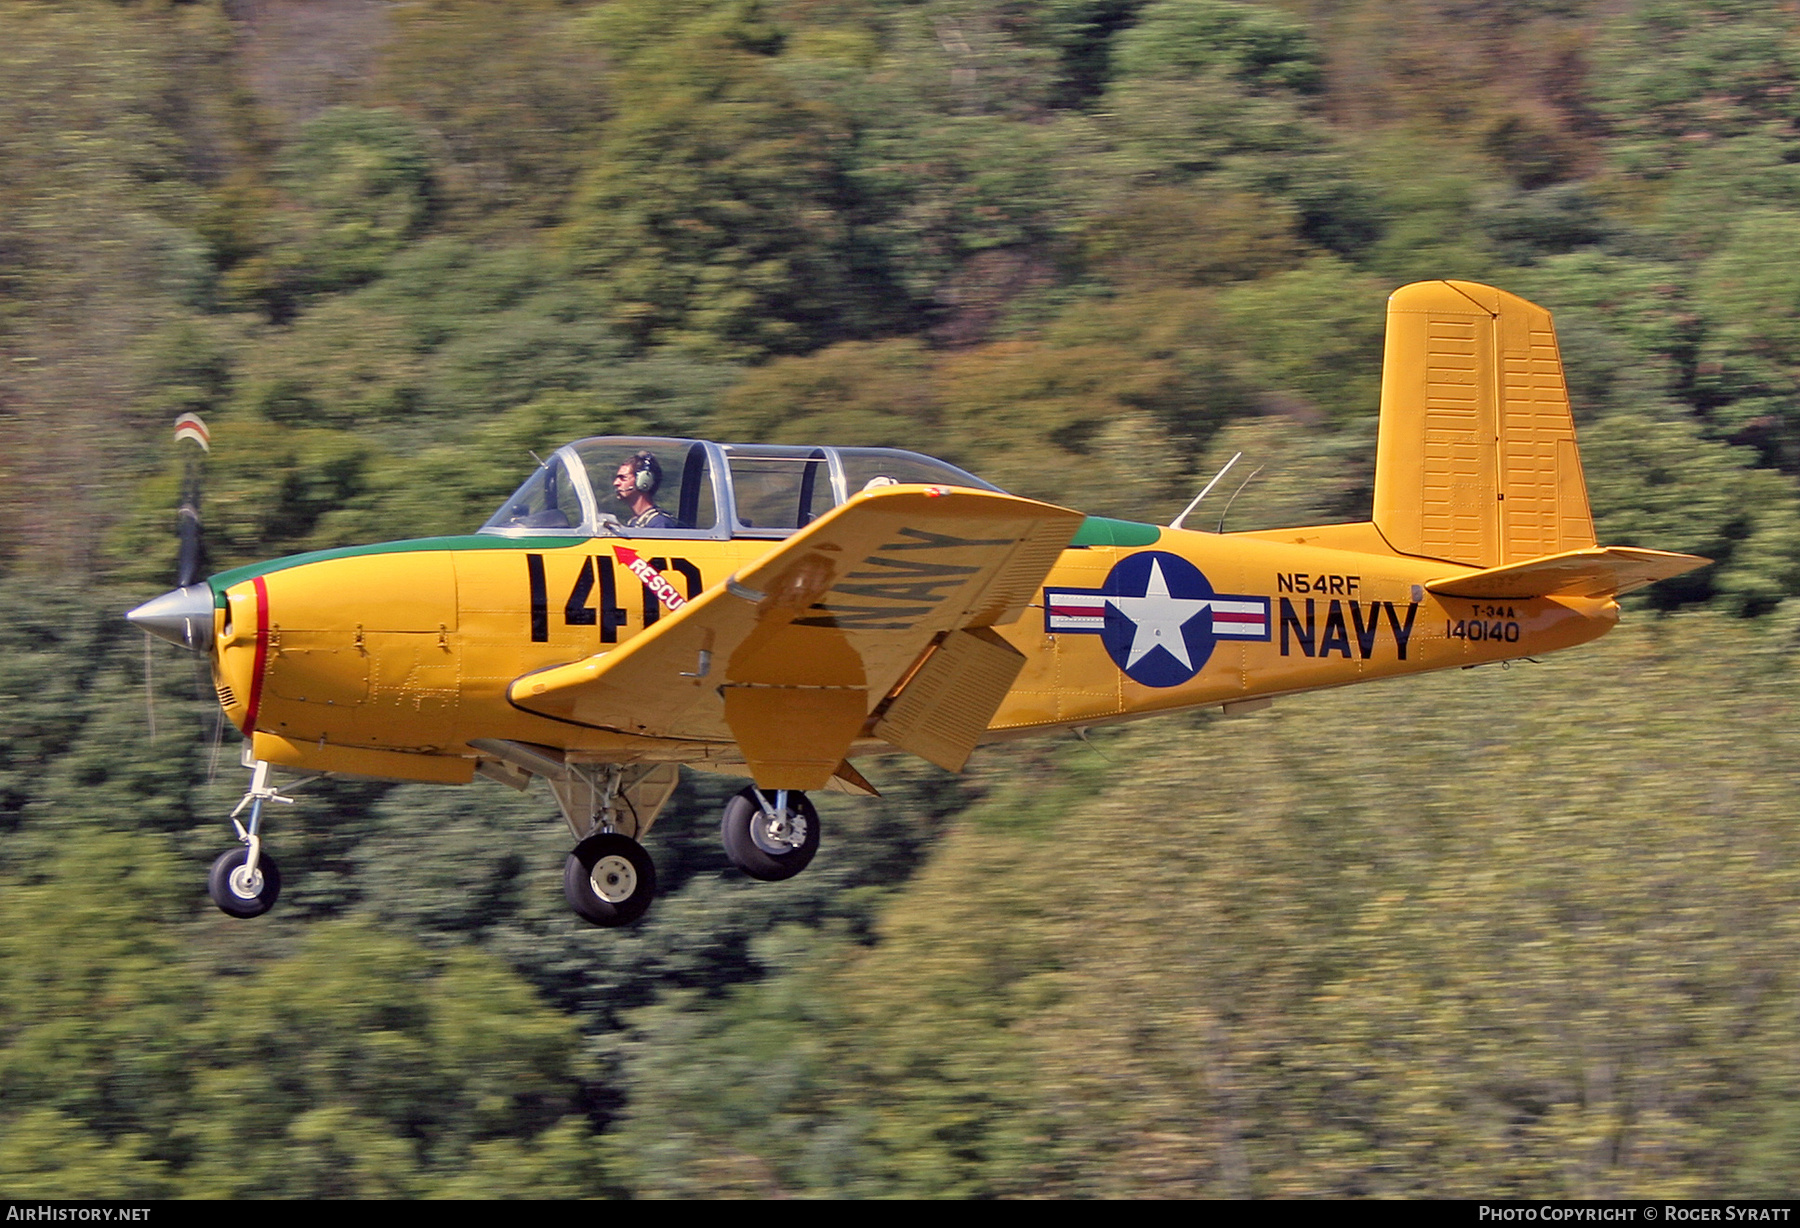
{"x":1157,"y":616}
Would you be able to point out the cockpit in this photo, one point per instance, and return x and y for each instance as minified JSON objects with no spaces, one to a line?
{"x":649,"y":486}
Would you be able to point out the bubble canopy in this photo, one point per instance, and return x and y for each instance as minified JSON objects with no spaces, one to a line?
{"x":696,"y":488}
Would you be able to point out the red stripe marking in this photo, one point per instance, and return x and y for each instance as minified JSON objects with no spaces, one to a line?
{"x":262,"y":654}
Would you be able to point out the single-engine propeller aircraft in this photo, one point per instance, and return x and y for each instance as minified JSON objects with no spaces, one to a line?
{"x":775,"y":612}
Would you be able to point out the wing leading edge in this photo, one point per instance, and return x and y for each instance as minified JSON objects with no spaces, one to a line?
{"x":790,"y":657}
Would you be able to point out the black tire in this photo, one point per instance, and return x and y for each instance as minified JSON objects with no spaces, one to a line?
{"x":239,"y":898}
{"x":766,"y":850}
{"x":609,"y":880}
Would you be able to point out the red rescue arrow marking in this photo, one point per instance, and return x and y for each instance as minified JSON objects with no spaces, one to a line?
{"x":650,"y":578}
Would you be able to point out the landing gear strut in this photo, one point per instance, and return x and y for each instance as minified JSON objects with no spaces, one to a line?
{"x":771,"y":838}
{"x":245,"y":882}
{"x":609,"y":879}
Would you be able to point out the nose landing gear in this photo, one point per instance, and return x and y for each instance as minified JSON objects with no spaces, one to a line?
{"x":245,"y":882}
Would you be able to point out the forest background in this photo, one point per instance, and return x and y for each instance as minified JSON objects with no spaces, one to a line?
{"x":1527,"y":932}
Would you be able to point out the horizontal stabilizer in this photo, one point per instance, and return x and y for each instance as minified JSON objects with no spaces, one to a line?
{"x":1602,"y":572}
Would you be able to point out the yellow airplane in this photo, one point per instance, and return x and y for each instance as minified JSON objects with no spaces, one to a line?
{"x":776,"y":612}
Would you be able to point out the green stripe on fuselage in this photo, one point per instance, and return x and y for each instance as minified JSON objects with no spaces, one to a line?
{"x":1100,"y":531}
{"x":472,"y":541}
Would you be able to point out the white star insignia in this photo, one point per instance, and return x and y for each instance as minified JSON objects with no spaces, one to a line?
{"x":1158,"y":618}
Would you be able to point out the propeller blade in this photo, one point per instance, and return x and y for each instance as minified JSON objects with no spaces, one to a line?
{"x":193,"y":426}
{"x":190,"y":567}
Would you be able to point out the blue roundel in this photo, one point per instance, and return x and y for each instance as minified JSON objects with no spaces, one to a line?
{"x":1159,"y":624}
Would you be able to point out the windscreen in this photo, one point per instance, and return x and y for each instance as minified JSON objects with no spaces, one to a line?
{"x":549,"y":501}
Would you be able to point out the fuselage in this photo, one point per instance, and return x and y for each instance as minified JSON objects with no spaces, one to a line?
{"x":390,"y":659}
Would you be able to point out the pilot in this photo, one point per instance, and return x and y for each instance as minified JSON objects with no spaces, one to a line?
{"x":635,"y":484}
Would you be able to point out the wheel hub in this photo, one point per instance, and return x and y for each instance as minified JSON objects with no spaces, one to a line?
{"x":614,"y":879}
{"x":778,"y":833}
{"x":246,"y":884}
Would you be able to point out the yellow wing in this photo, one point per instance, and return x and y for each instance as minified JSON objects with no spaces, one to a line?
{"x":790,"y":657}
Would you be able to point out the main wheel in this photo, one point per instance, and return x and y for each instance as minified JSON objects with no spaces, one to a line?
{"x":770,"y":847}
{"x":239,"y":891}
{"x":609,"y":879}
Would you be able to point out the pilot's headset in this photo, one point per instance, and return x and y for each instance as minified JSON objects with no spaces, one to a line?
{"x":648,"y":473}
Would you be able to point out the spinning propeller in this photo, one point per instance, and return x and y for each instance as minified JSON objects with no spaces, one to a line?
{"x":184,"y":615}
{"x":244,"y":881}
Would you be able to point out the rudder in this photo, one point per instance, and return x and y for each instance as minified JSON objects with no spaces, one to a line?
{"x":1476,"y":460}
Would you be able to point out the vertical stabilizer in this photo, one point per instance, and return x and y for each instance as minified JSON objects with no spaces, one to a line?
{"x":1476,"y":460}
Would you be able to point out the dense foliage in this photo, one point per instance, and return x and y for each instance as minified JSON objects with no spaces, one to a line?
{"x":1521,"y":932}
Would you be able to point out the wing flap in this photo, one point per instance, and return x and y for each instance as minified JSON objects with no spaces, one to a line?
{"x":946,"y":704}
{"x":788,"y":657}
{"x":1606,"y":571}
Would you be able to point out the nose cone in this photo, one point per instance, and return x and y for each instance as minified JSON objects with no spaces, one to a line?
{"x":182,"y":616}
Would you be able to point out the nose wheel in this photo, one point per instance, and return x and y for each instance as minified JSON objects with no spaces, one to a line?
{"x":243,"y":890}
{"x":772,"y":835}
{"x":609,"y":880}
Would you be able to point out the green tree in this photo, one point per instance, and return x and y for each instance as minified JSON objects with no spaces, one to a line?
{"x":364,"y":185}
{"x":1661,"y":481}
{"x":110,"y":123}
{"x":1700,"y":112}
{"x":1168,"y":236}
{"x":1749,"y":363}
{"x":710,"y":214}
{"x":1256,"y":46}
{"x":516,"y":98}
{"x":360,"y":1065}
{"x":1628,"y":329}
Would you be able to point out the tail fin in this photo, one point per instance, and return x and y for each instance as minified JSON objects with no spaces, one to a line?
{"x":1476,"y":462}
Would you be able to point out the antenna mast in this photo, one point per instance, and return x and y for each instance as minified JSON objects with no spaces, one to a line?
{"x":1176,"y":523}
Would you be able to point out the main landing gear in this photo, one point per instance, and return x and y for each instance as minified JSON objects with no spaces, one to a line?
{"x":770,"y":840}
{"x":610,"y":880}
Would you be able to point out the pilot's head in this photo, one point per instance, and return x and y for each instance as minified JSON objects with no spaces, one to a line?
{"x":639,"y":476}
